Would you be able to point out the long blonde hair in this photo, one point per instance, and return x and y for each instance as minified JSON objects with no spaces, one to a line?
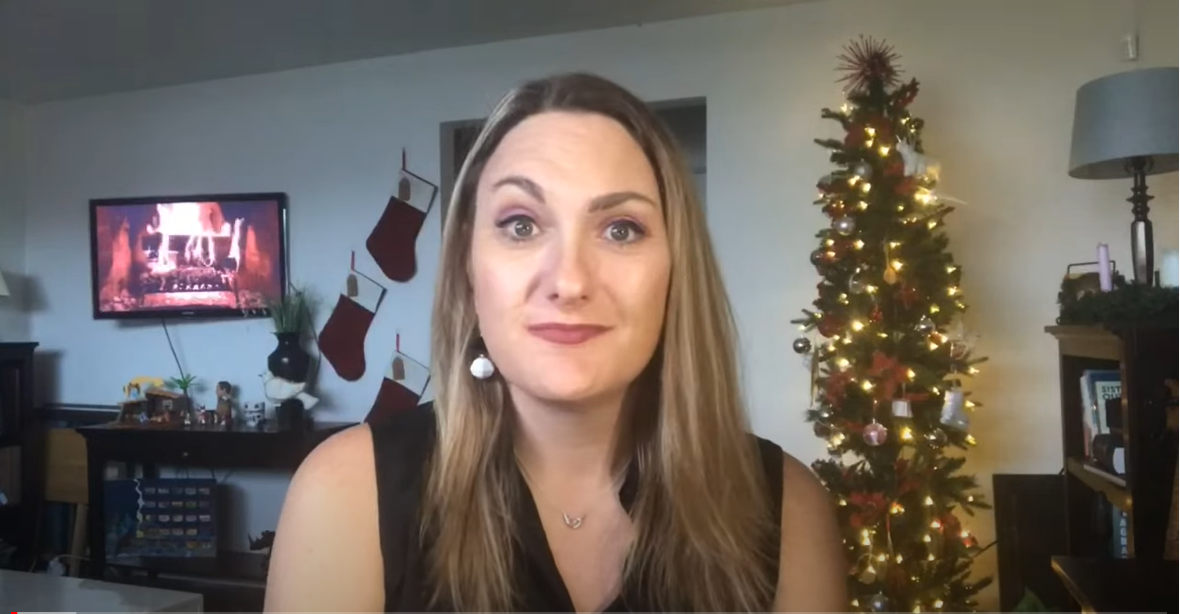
{"x":701,"y":513}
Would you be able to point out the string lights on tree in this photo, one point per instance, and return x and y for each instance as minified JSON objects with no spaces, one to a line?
{"x":889,"y":354}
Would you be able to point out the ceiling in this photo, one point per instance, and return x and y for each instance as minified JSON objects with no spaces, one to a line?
{"x":55,"y":49}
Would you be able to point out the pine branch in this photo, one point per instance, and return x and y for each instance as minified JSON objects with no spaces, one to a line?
{"x":844,"y":120}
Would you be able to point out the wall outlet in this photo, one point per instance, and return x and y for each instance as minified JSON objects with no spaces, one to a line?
{"x":1129,"y":47}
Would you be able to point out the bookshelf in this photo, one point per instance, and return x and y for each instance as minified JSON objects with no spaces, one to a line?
{"x":1098,"y":578}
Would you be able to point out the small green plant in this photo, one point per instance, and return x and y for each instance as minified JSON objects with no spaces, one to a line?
{"x":183,"y":383}
{"x":290,"y":313}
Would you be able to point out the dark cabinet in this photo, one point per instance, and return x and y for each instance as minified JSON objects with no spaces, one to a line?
{"x":17,"y":508}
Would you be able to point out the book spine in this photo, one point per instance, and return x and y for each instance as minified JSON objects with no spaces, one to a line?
{"x":1088,"y":419}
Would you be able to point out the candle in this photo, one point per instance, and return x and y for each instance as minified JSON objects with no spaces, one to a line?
{"x":1104,"y":268}
{"x":1170,"y":269}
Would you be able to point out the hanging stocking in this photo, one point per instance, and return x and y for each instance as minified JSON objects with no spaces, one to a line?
{"x":392,"y":241}
{"x":401,"y":389}
{"x":342,"y":340}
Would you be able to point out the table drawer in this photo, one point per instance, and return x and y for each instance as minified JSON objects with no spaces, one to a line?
{"x":241,"y":450}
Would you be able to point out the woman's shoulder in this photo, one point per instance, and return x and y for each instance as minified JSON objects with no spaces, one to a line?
{"x":362,"y":450}
{"x":341,"y":454}
{"x":325,"y":534}
{"x":790,"y":478}
{"x":810,"y":559}
{"x":796,"y":493}
{"x":785,"y":469}
{"x":770,"y":452}
{"x":811,"y":563}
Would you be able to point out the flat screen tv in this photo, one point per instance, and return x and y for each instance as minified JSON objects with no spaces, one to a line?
{"x":206,"y":256}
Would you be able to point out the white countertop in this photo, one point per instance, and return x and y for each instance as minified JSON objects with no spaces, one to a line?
{"x":29,"y":592}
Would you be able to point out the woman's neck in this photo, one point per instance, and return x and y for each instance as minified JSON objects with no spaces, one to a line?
{"x":568,"y":444}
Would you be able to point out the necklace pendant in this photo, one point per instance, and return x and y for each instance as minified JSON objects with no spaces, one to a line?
{"x":572,"y":523}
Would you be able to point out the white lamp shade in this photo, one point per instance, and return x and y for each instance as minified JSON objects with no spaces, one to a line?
{"x":1124,"y":116}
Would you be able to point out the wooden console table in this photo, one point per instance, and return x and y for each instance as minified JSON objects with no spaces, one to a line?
{"x":149,"y":446}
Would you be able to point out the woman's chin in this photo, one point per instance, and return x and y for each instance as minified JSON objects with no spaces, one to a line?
{"x":566,"y":390}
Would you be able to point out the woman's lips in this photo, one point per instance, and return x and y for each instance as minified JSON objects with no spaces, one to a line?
{"x":567,"y":334}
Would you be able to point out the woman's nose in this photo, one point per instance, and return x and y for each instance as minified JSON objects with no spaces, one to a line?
{"x":570,"y":274}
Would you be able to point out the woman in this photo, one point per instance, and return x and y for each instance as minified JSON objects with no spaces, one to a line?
{"x":588,"y":448}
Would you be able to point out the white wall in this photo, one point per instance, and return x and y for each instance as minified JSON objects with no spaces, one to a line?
{"x":999,"y":80}
{"x":14,"y":320}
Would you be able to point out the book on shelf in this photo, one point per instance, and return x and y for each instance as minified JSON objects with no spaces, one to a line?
{"x":1098,"y":386}
{"x":1118,"y":542}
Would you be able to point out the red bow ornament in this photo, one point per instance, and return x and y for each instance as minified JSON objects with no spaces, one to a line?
{"x":869,"y":508}
{"x":889,"y":374}
{"x":834,"y":387}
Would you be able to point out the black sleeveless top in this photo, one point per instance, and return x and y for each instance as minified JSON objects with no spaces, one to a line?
{"x":401,"y":447}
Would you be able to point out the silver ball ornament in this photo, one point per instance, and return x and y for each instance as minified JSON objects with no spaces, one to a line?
{"x":937,"y":438}
{"x":875,"y":433}
{"x":844,"y":225}
{"x":864,"y":170}
{"x":879,"y":603}
{"x":925,"y":325}
{"x":856,"y":285}
{"x":802,"y":345}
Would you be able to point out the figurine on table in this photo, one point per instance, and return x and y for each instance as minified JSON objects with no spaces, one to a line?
{"x":292,"y":398}
{"x":132,"y":392}
{"x":256,"y":415}
{"x":225,"y":403}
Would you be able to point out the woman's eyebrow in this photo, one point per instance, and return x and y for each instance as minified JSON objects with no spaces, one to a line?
{"x":599,"y":203}
{"x":524,"y":183}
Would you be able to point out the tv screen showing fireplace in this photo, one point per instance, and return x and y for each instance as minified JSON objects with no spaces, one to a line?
{"x":215,"y":255}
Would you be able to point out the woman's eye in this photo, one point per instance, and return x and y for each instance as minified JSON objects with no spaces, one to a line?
{"x":624,"y":231}
{"x":518,"y":227}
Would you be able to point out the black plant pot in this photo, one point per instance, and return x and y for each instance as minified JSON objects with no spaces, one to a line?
{"x":289,"y":361}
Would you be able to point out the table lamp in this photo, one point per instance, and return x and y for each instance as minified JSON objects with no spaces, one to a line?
{"x":1124,"y":125}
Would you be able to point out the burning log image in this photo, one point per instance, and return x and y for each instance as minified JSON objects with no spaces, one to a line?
{"x":185,"y":255}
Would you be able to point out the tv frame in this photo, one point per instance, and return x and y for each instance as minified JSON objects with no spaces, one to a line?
{"x":198,"y":312}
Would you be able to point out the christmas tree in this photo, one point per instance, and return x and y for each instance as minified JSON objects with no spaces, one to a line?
{"x":888,"y":355}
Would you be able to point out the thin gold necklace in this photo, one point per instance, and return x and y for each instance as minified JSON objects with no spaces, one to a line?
{"x":571,"y":522}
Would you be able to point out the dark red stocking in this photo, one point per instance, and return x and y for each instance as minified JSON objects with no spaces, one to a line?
{"x":342,"y":340}
{"x":391,"y":399}
{"x":405,"y":381}
{"x":392,"y":241}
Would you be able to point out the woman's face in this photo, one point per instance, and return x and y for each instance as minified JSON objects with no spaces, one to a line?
{"x":569,"y":257}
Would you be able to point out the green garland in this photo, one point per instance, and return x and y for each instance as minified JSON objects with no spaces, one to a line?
{"x":1126,"y":303}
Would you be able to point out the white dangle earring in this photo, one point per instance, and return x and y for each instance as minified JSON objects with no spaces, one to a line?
{"x":482,"y":367}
